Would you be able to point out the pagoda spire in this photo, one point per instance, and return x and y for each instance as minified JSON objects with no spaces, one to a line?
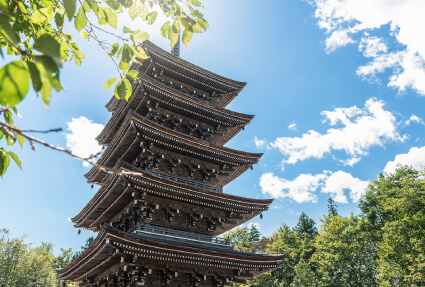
{"x":176,"y":49}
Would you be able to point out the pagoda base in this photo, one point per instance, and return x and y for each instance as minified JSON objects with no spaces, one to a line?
{"x":117,"y":258}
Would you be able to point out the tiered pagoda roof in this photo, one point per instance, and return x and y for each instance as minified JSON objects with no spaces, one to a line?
{"x":161,"y":202}
{"x":113,"y":196}
{"x":136,"y":129}
{"x":176,"y":101}
{"x":115,"y":252}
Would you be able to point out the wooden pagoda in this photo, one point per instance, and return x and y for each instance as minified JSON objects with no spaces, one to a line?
{"x":158,"y":218}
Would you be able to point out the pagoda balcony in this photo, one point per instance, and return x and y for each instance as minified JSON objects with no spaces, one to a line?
{"x":184,"y":180}
{"x":182,"y":236}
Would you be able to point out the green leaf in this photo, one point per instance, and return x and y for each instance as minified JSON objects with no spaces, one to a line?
{"x":195,"y":2}
{"x":125,"y":29}
{"x":42,"y":15}
{"x":139,"y":52}
{"x":50,"y":76}
{"x":112,"y":18}
{"x":123,"y":89}
{"x":142,"y":36}
{"x":120,"y":51}
{"x":174,"y":37}
{"x":9,"y":140}
{"x":110,"y":82}
{"x":46,"y":90}
{"x":8,"y":117}
{"x":152,"y":17}
{"x":114,"y":49}
{"x":196,"y":28}
{"x":7,"y":31}
{"x":1,"y":133}
{"x":70,"y":8}
{"x":48,"y":45}
{"x":187,"y":36}
{"x":144,"y":12}
{"x":185,"y":23}
{"x":85,"y":35}
{"x":64,"y":52}
{"x":127,"y":54}
{"x":133,"y":12}
{"x":35,"y":76}
{"x":124,"y":66}
{"x":113,"y":4}
{"x":86,"y":6}
{"x":176,"y":25}
{"x":78,"y":55}
{"x":80,"y":20}
{"x":196,"y":13}
{"x":204,"y":24}
{"x":48,"y":63}
{"x":165,"y":29}
{"x":21,"y":139}
{"x":132,"y":74}
{"x":14,"y":83}
{"x":15,"y":110}
{"x":59,"y":20}
{"x":128,"y":87}
{"x":4,"y":162}
{"x":126,"y":3}
{"x":15,"y":158}
{"x":103,"y":20}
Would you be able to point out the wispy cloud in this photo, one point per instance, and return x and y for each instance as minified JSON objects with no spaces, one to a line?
{"x":292,"y":127}
{"x":414,"y":119}
{"x":355,"y":21}
{"x":81,"y":139}
{"x":304,"y":187}
{"x":360,"y":130}
{"x":259,"y":143}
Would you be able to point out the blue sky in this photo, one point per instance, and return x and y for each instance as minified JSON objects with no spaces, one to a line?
{"x":336,"y":87}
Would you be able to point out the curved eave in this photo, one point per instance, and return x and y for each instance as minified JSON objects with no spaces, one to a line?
{"x":96,"y":257}
{"x":194,"y":75}
{"x":126,"y":143}
{"x":112,"y":199}
{"x":112,"y":105}
{"x":179,"y":103}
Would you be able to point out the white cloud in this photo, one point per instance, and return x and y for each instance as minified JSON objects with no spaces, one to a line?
{"x":259,"y":142}
{"x":81,"y":141}
{"x":338,"y":182}
{"x":338,"y":39}
{"x":292,"y":127}
{"x":303,"y":188}
{"x":347,"y":20}
{"x":361,"y":129}
{"x":415,"y":157}
{"x":255,"y":224}
{"x":414,"y":119}
{"x":372,"y":46}
{"x":300,"y":189}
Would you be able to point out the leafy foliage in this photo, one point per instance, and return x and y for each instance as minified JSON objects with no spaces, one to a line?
{"x":382,"y":246}
{"x":24,"y":265}
{"x":32,"y":32}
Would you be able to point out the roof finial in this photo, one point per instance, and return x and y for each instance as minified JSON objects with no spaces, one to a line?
{"x":176,"y":49}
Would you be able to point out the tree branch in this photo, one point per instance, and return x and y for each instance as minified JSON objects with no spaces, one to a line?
{"x":32,"y":140}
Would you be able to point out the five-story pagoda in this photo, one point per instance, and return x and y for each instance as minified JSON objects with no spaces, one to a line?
{"x":158,"y":217}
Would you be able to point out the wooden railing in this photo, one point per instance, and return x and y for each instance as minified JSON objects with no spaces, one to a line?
{"x":140,"y":228}
{"x":185,"y":181}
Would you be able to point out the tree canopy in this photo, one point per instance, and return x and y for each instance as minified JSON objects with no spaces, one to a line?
{"x":381,"y":246}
